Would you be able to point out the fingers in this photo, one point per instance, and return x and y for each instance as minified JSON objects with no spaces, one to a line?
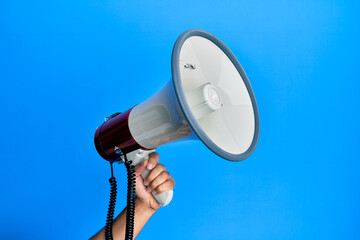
{"x":153,"y":160}
{"x":167,"y":185}
{"x":154,"y":173}
{"x":162,"y":177}
{"x":139,"y":169}
{"x":148,"y":163}
{"x":159,"y":180}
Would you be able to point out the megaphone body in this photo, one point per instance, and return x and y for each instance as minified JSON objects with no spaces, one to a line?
{"x":146,"y":126}
{"x":209,"y":98}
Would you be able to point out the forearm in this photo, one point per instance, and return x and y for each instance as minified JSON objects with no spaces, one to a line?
{"x":142,"y":215}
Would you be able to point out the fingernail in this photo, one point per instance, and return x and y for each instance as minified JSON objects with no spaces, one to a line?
{"x":154,"y":192}
{"x":148,"y":189}
{"x":146,"y":183}
{"x":150,"y":166}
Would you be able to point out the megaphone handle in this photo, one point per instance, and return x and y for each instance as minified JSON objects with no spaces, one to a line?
{"x":137,"y":157}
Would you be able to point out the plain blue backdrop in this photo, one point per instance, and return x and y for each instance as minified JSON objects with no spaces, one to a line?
{"x":64,"y":65}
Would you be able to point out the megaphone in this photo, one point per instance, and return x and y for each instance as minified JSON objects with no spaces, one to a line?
{"x":208,"y":98}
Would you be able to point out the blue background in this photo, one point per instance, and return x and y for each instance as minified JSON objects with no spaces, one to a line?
{"x":64,"y":65}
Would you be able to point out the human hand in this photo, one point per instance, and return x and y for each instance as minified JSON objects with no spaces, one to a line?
{"x":158,"y":181}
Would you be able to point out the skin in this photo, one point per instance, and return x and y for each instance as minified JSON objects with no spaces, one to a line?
{"x":159,"y":180}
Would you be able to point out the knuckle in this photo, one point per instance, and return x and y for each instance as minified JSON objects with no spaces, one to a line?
{"x":161,"y":167}
{"x":152,"y":185}
{"x":155,"y":155}
{"x":161,"y":188}
{"x":164,"y":175}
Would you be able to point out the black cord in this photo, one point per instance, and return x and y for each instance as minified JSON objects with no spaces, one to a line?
{"x":111,"y":209}
{"x":129,"y":233}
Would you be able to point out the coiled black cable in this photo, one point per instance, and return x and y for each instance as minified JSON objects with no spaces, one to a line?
{"x":129,"y":233}
{"x":111,"y":209}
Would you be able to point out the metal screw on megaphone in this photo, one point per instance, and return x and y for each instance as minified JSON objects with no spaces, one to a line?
{"x":188,"y":65}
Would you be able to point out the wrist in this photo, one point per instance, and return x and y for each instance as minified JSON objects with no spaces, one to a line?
{"x":143,"y":207}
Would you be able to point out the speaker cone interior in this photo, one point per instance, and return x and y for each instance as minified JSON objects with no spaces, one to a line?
{"x":215,"y":95}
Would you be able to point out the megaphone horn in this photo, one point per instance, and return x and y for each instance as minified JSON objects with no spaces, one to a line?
{"x":209,"y":97}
